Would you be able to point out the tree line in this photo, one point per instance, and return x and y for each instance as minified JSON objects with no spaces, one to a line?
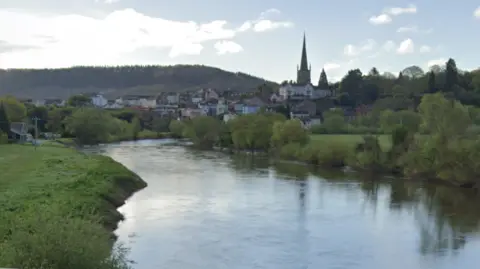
{"x":439,"y":141}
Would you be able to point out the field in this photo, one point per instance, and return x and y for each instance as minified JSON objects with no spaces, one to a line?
{"x":352,"y":139}
{"x":58,"y":190}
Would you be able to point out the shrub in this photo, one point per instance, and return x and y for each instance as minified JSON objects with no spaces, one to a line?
{"x":3,"y":138}
{"x":46,"y":239}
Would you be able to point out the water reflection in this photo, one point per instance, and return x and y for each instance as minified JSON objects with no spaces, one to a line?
{"x":248,"y":212}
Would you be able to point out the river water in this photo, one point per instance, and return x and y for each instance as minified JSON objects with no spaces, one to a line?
{"x":208,"y":210}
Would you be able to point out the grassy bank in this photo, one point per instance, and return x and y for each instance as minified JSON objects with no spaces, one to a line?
{"x":350,"y":140}
{"x":58,"y":207}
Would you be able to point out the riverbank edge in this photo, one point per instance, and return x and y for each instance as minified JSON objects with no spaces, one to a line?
{"x":378,"y":174}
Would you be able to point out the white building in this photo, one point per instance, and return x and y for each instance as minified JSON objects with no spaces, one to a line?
{"x":99,"y":101}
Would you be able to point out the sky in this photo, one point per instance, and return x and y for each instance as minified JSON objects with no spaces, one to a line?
{"x":262,"y":38}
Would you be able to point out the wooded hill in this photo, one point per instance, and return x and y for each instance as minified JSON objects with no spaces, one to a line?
{"x":117,"y":81}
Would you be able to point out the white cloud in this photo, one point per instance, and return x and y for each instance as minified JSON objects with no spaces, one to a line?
{"x":107,"y":1}
{"x":39,"y":41}
{"x":413,"y":29}
{"x":389,"y":46}
{"x":476,"y":13}
{"x":331,"y":66}
{"x":406,"y":47}
{"x":408,"y":29}
{"x":365,"y":46}
{"x":380,"y":19}
{"x":386,"y":16}
{"x":227,"y":46}
{"x":265,"y":23}
{"x":395,"y":11}
{"x":425,"y":49}
{"x":440,"y":62}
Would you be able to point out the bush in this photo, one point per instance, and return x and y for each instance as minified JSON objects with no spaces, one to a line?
{"x":3,"y":138}
{"x":46,"y":239}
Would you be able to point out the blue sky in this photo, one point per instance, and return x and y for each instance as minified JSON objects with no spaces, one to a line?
{"x":341,"y":34}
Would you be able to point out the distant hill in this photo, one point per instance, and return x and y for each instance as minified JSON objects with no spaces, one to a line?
{"x":117,"y":81}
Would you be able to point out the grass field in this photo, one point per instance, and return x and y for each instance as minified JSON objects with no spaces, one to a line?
{"x":352,"y":139}
{"x":55,"y":188}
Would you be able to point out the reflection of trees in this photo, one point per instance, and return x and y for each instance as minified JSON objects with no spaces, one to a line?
{"x":249,"y":163}
{"x":445,"y":216}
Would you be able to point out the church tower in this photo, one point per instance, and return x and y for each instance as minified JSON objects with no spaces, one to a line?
{"x":304,"y":72}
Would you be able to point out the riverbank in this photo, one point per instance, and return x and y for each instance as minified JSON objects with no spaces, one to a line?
{"x":67,"y":199}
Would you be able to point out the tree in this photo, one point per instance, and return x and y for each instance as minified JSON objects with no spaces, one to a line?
{"x":136,"y":127}
{"x":177,"y":128}
{"x":41,"y":113}
{"x":323,"y":81}
{"x":79,"y":100}
{"x":160,"y":124}
{"x":286,"y":132}
{"x":203,"y":131}
{"x":352,"y":84}
{"x":451,"y":75}
{"x":374,"y":72}
{"x":15,"y":110}
{"x":431,"y":82}
{"x":4,"y":121}
{"x":90,"y":126}
{"x":446,"y":118}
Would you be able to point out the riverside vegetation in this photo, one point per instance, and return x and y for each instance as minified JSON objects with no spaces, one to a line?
{"x":58,"y":208}
{"x":439,"y":142}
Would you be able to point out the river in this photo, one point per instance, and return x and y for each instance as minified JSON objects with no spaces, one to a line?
{"x":211,"y":210}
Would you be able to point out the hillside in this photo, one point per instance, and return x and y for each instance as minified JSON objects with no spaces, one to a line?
{"x":117,"y":81}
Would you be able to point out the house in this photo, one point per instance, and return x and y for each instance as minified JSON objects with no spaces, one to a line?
{"x":229,"y":116}
{"x":306,"y":106}
{"x":166,"y":109}
{"x":209,"y":107}
{"x":173,"y":98}
{"x":55,"y":102}
{"x":113,"y":104}
{"x":99,"y":101}
{"x":311,"y":121}
{"x":252,"y":105}
{"x":192,"y":112}
{"x":140,"y":100}
{"x":276,"y":98}
{"x":209,"y":94}
{"x":19,"y":132}
{"x":222,"y":106}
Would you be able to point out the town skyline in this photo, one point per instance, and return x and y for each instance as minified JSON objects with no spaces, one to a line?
{"x":262,"y":39}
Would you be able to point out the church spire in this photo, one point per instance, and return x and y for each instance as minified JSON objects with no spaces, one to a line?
{"x":304,"y":61}
{"x":303,"y":73}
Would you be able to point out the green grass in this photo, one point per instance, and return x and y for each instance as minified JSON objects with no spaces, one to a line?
{"x":53,"y":188}
{"x":349,"y":140}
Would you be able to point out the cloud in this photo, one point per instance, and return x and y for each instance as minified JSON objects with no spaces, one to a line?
{"x":386,"y":16}
{"x":395,"y":11}
{"x":72,"y":39}
{"x":406,"y":47}
{"x":425,"y":49}
{"x":9,"y":47}
{"x":476,"y":13}
{"x":265,"y":23}
{"x":413,"y":29}
{"x":355,"y":50}
{"x":227,"y":46}
{"x":107,"y":1}
{"x":330,"y":66}
{"x":389,"y":46}
{"x":440,"y":62}
{"x":380,"y":19}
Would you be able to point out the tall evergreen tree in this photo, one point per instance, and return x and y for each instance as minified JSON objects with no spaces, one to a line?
{"x":4,"y":122}
{"x":451,"y":75}
{"x":323,"y":81}
{"x":431,"y":82}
